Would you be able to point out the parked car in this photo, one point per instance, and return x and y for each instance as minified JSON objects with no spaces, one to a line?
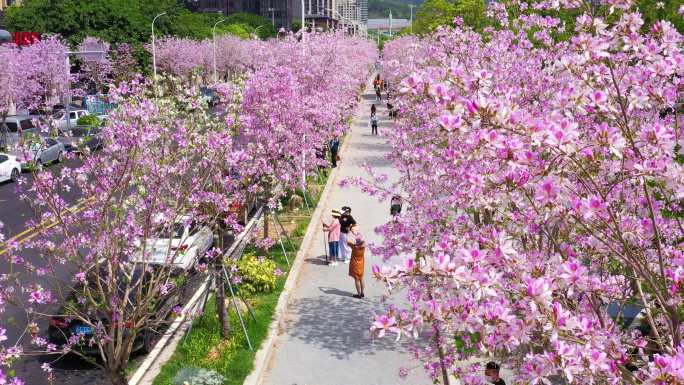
{"x":60,"y":118}
{"x":81,"y":139}
{"x":65,"y":325}
{"x":40,"y":153}
{"x":14,"y":124}
{"x":182,"y":245}
{"x":628,"y":315}
{"x":10,"y":168}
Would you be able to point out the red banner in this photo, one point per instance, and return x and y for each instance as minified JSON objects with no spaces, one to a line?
{"x":25,"y":38}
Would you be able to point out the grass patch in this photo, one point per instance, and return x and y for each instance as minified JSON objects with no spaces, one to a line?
{"x":204,"y":347}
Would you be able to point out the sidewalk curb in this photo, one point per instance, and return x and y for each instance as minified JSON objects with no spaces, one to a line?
{"x":164,"y":349}
{"x":263,"y":355}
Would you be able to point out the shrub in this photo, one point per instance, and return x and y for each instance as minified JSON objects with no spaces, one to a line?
{"x":88,"y":120}
{"x":257,"y":275}
{"x":198,"y":376}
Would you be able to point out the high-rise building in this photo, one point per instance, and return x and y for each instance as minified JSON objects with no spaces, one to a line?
{"x":317,"y":13}
{"x":280,"y":12}
{"x":353,"y":15}
{"x":363,"y":8}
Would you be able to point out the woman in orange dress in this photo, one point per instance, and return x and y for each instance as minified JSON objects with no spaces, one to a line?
{"x":356,"y":265}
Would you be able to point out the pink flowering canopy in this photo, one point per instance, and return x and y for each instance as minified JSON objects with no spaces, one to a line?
{"x":31,"y":75}
{"x":168,"y":158}
{"x":545,"y":185}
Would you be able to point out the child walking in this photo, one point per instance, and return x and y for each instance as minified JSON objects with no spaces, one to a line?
{"x":333,"y":229}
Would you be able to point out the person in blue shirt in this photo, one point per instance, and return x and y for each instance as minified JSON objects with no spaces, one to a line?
{"x":334,"y":149}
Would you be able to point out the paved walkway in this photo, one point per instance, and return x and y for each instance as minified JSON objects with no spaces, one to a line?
{"x":326,"y":340}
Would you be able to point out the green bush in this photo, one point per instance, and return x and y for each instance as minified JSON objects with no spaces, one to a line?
{"x":257,"y":275}
{"x":197,"y":376}
{"x":88,"y":120}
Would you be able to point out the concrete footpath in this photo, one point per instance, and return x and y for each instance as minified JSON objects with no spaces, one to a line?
{"x":324,"y":338}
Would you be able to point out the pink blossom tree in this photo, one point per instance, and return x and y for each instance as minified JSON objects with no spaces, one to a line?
{"x":96,"y":68}
{"x":165,"y":160}
{"x":545,"y":186}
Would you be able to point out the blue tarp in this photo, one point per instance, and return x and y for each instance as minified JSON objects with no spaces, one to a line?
{"x":95,"y":104}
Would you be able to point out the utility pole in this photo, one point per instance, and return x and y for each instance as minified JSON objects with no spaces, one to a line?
{"x":411,"y":6}
{"x":390,"y":24}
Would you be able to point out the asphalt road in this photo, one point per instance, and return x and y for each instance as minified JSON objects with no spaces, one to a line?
{"x":68,"y":369}
{"x":15,"y":214}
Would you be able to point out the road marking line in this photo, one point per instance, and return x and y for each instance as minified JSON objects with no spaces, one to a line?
{"x":30,"y":233}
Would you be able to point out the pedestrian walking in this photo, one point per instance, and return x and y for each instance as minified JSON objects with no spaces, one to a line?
{"x":391,"y":111}
{"x":376,"y":82}
{"x":374,"y":123}
{"x":378,"y":94}
{"x":333,"y":230}
{"x":346,"y":224}
{"x":373,"y":108}
{"x":356,"y":267}
{"x":334,"y":149}
{"x":492,"y":374}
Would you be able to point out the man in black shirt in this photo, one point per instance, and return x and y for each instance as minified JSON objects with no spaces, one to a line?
{"x":492,"y":374}
{"x":346,"y":224}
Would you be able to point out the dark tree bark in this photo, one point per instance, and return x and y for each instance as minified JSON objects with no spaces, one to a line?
{"x":116,"y":376}
{"x":221,"y":302}
{"x":265,"y":223}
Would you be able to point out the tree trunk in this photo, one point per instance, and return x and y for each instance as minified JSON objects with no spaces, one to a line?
{"x":221,"y":302}
{"x":116,"y":376}
{"x":265,"y":223}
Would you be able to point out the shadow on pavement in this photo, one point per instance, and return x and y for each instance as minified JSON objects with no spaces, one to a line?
{"x":320,"y":260}
{"x":340,"y":324}
{"x":334,"y":291}
{"x":380,"y":147}
{"x":373,"y":162}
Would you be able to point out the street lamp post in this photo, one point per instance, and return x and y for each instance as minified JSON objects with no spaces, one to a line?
{"x":272,"y":10}
{"x":154,"y":53}
{"x":411,"y":6}
{"x":213,"y":42}
{"x":390,"y":23}
{"x":303,"y":25}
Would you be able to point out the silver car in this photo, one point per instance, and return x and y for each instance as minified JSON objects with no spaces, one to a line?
{"x":41,"y":152}
{"x":9,"y":133}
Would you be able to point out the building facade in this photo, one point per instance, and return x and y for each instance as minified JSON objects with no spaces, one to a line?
{"x":6,"y":3}
{"x":319,"y":14}
{"x":278,"y":11}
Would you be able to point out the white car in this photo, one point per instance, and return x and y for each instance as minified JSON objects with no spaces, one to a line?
{"x":187,"y":242}
{"x":61,"y":120}
{"x":10,"y":168}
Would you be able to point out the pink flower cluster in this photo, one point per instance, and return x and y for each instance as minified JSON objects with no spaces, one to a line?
{"x":545,"y":185}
